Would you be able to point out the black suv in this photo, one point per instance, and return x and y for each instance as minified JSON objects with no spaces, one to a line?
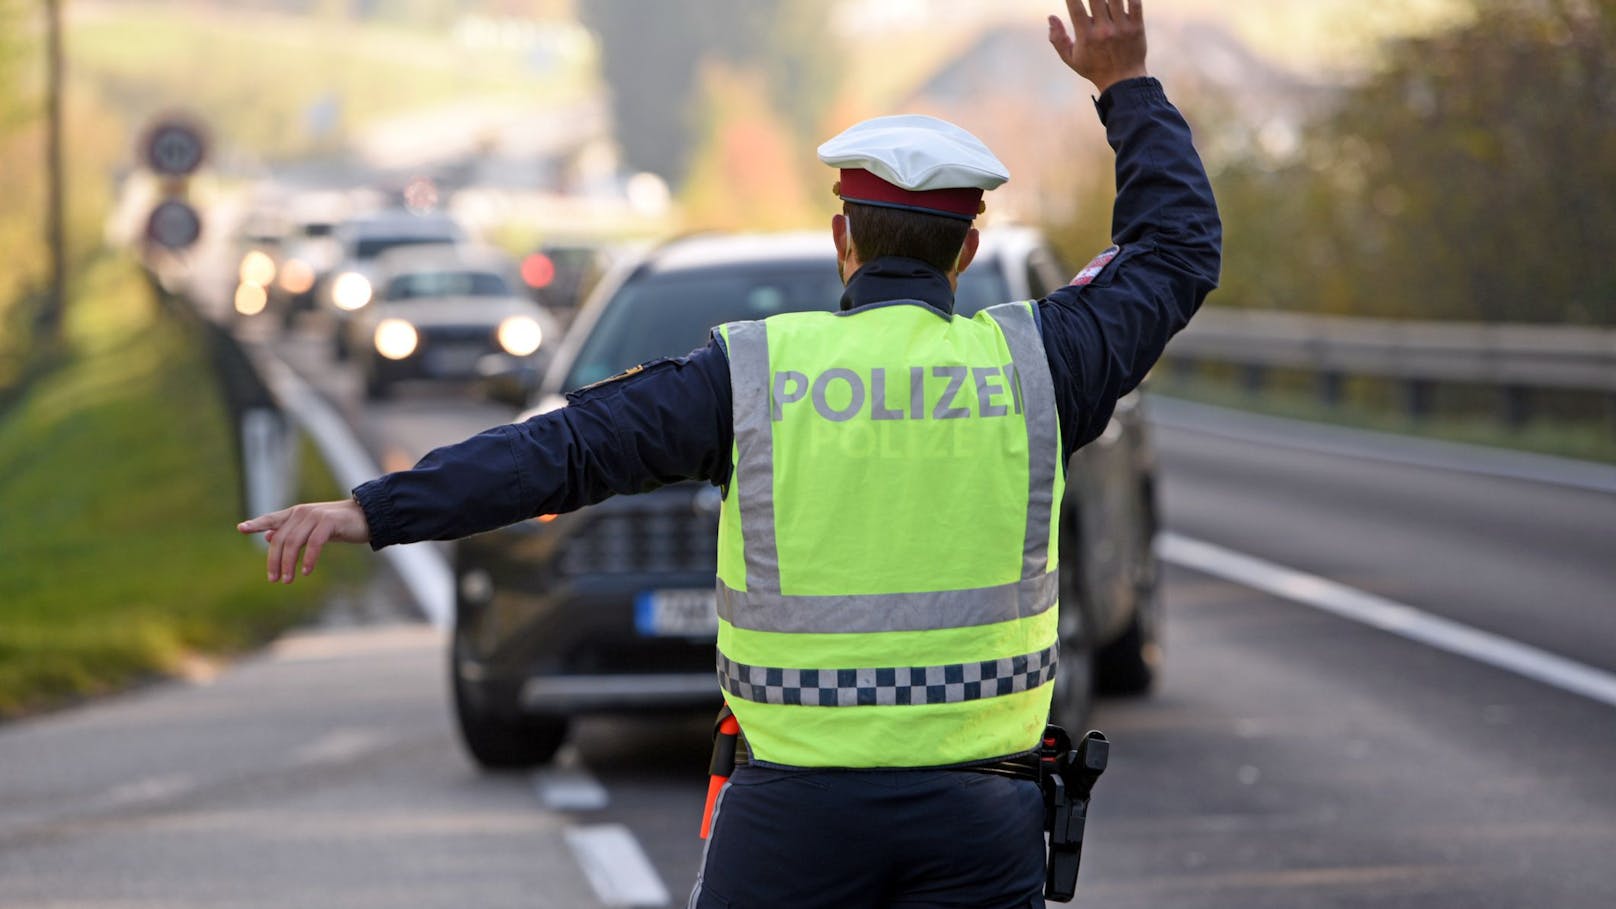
{"x":611,"y":608}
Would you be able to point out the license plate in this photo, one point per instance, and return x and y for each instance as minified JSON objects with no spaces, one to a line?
{"x":454,"y":359}
{"x":677,"y":613}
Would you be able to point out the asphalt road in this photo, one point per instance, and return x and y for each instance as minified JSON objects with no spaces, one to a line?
{"x":1289,"y":758}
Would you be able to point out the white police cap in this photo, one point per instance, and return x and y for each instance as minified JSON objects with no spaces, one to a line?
{"x":915,"y":162}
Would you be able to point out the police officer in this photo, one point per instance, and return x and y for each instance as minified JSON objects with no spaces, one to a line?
{"x":886,"y":567}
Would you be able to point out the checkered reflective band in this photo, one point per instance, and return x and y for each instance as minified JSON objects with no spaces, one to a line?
{"x":950,"y":684}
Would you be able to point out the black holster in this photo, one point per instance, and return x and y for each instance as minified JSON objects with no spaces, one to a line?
{"x":1067,"y":776}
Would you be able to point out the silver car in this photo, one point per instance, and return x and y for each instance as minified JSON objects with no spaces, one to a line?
{"x":446,"y":313}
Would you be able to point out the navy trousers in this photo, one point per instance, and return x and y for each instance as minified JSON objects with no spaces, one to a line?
{"x":873,"y":839}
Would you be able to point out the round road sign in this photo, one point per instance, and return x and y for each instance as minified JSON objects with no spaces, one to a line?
{"x":173,"y":225}
{"x":175,"y":148}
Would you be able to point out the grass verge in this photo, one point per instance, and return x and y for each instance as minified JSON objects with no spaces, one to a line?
{"x":1583,"y":435}
{"x":119,"y":486}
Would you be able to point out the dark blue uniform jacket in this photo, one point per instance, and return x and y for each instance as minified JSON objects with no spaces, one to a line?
{"x":672,"y":420}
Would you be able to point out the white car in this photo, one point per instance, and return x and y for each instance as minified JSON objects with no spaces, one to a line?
{"x":446,"y":312}
{"x":352,"y":284}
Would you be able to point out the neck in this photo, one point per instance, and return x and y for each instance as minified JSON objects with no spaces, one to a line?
{"x":899,"y":278}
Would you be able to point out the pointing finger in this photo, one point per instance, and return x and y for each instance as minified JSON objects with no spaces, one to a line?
{"x":264,"y":521}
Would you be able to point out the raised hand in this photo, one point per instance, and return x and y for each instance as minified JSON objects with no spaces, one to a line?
{"x":1106,"y":47}
{"x":306,"y":529}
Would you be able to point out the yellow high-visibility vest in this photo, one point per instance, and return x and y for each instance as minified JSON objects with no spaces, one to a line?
{"x":887,"y":577}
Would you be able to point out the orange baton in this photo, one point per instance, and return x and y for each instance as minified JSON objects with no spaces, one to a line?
{"x":723,"y":764}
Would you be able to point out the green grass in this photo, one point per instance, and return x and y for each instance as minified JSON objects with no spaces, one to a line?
{"x":1580,"y":432}
{"x":119,"y":560}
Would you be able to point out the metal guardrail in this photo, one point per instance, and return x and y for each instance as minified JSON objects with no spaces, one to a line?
{"x":1506,"y":355}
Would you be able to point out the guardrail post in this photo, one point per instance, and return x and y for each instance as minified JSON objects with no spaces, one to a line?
{"x":1517,"y":403}
{"x":1252,"y":377}
{"x":1417,"y":398}
{"x":268,"y":460}
{"x":1330,"y":385}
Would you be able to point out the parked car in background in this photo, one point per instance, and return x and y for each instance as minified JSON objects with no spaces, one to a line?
{"x":351,"y":284}
{"x":612,"y":608}
{"x":442,"y":312}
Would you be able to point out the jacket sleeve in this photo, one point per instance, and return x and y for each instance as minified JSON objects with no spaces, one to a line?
{"x":666,"y":421}
{"x":1105,"y":331}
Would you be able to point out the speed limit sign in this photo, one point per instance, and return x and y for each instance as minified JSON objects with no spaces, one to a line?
{"x":174,"y":148}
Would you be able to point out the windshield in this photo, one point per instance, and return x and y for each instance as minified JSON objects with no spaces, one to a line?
{"x":415,"y":285}
{"x":670,"y":315}
{"x":982,"y":285}
{"x":371,"y":247}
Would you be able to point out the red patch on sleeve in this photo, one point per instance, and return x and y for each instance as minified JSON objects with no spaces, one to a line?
{"x":1093,"y":269}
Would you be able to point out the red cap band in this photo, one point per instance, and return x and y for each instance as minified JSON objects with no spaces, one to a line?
{"x":863,"y":186}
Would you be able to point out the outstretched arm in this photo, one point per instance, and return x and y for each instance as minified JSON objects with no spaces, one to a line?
{"x":665,"y":422}
{"x":1106,"y":330}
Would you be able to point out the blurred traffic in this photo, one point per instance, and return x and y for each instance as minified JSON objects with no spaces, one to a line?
{"x":431,"y":219}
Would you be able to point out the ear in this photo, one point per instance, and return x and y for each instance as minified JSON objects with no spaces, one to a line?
{"x":973,"y":238}
{"x":840,"y":236}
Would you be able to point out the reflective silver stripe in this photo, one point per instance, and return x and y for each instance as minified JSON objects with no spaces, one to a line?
{"x":754,"y":446}
{"x":755,"y":611}
{"x":1043,"y":428}
{"x":954,"y":683}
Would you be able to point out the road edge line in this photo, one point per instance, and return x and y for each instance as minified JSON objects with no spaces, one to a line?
{"x":1389,"y":615}
{"x":424,"y":570}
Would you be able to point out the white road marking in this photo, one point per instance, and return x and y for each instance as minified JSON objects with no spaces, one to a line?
{"x":616,"y":866}
{"x":339,"y":746}
{"x":1342,"y":441}
{"x":1389,"y":615}
{"x":423,"y":568}
{"x":151,"y":789}
{"x":569,"y":788}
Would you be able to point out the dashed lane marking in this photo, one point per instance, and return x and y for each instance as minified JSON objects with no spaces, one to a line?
{"x":569,"y":789}
{"x":339,"y":746}
{"x":1388,"y":615}
{"x":616,"y":866}
{"x":151,"y":789}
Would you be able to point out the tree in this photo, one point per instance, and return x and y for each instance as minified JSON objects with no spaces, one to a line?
{"x":1468,"y":178}
{"x":652,"y":54}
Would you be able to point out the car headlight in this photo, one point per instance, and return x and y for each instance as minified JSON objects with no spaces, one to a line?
{"x":350,"y":291}
{"x":520,"y":335}
{"x":396,"y":339}
{"x":250,"y":299}
{"x":257,"y":268}
{"x":297,"y":276}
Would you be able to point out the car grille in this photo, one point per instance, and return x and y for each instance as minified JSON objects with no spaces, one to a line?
{"x":458,"y":334}
{"x":671,"y":538}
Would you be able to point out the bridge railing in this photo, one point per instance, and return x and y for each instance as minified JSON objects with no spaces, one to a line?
{"x":1516,"y":359}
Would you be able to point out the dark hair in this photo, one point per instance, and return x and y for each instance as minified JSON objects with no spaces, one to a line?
{"x":878,"y":231}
